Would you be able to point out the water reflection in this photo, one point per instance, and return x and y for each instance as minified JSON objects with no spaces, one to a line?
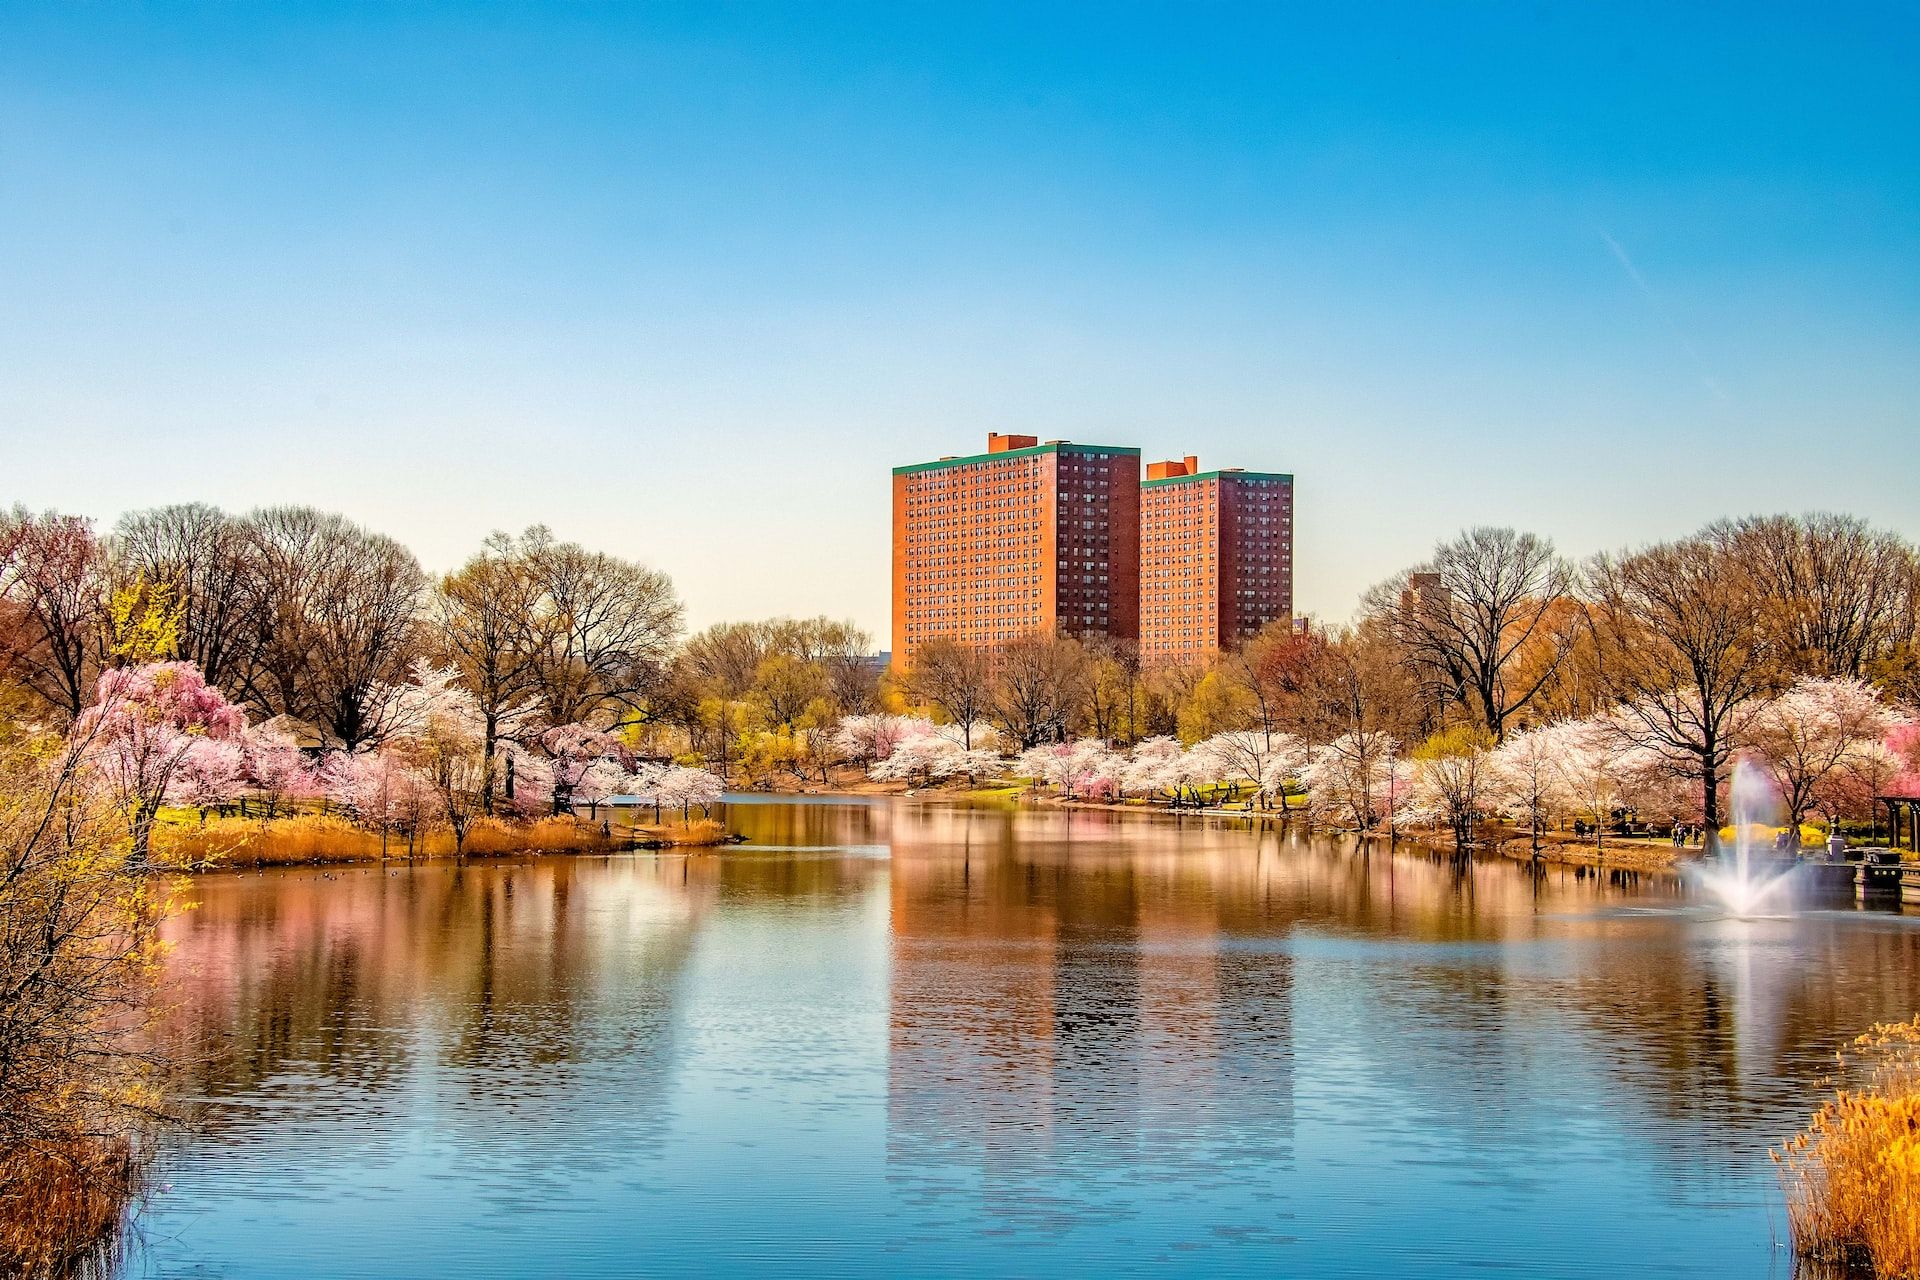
{"x":929,"y":1038}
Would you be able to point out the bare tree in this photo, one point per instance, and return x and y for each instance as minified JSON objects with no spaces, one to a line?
{"x":730,"y":659}
{"x":1349,"y":694}
{"x":1039,"y":688}
{"x":1328,"y":684}
{"x":202,"y":554}
{"x":341,"y":608}
{"x":1841,"y":594}
{"x":723,"y":659}
{"x":853,"y":678}
{"x":1115,"y":692}
{"x":957,"y":679}
{"x":484,"y":618}
{"x":1682,"y":645}
{"x":53,"y":572}
{"x":1470,"y":618}
{"x":606,"y":628}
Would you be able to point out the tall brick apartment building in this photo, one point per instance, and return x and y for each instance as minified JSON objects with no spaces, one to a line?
{"x":1025,"y":537}
{"x":1216,"y":558}
{"x":1060,"y":537}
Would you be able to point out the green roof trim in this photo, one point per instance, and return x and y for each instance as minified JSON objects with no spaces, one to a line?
{"x":1064,"y":446}
{"x":1215,"y":475}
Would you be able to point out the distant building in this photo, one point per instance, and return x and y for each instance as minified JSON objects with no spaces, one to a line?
{"x":1026,"y":537}
{"x":1216,"y":558}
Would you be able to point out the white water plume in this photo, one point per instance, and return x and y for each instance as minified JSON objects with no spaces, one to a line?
{"x":1733,"y":878}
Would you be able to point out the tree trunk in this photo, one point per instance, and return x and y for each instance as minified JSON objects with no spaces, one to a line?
{"x":1710,"y":800}
{"x":142,"y":836}
{"x":488,"y":747}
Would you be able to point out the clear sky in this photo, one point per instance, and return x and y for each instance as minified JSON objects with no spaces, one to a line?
{"x":684,"y":282}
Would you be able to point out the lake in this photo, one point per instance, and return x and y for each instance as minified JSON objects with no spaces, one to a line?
{"x":912,"y":1038}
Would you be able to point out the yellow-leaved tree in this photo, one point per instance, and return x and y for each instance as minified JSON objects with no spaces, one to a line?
{"x":79,"y":950}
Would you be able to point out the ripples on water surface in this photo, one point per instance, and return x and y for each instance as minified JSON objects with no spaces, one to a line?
{"x":907,"y":1039}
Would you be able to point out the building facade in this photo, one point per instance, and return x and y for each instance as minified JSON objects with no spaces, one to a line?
{"x":1026,"y":537}
{"x":1216,"y":559}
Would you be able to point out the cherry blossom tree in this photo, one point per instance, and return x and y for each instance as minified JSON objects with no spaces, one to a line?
{"x":1348,"y":778}
{"x":922,"y":757}
{"x":1810,"y":737}
{"x":1894,"y":770}
{"x":1102,"y":772}
{"x":529,"y":789}
{"x":1083,"y":769}
{"x":381,"y":790}
{"x":1406,"y":807}
{"x":574,"y":749}
{"x":1267,"y":758}
{"x":643,"y":784}
{"x":973,"y":763}
{"x":1157,"y":764}
{"x":439,"y":729}
{"x":684,"y":788}
{"x":1595,"y":762}
{"x":925,"y":752}
{"x":1523,"y":778}
{"x":277,"y":771}
{"x":1453,"y":776}
{"x":211,"y":773}
{"x":1903,"y":743}
{"x":143,"y":724}
{"x":599,"y":780}
{"x":865,"y":740}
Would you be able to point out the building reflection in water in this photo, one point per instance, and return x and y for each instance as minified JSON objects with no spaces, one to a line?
{"x":1071,"y":1007}
{"x":1074,"y":991}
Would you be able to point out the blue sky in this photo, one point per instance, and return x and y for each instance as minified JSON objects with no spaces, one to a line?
{"x":684,"y":282}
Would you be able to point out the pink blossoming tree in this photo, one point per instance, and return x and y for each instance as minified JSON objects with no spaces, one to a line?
{"x":144,"y":723}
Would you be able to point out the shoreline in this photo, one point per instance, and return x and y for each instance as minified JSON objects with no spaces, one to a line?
{"x":1623,"y":853}
{"x":319,"y":841}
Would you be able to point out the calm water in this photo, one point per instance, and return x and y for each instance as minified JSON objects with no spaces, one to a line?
{"x":907,"y":1039}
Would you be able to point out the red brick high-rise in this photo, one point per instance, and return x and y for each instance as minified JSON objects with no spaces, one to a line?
{"x":1026,"y":537}
{"x":1216,"y":558}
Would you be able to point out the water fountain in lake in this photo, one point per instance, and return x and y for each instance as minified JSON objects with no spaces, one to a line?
{"x":1743,"y":884}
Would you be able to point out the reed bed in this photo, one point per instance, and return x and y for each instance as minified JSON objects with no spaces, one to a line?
{"x":1853,"y":1176}
{"x":255,"y":842}
{"x":63,"y":1205}
{"x":700,"y":831}
{"x":309,"y":839}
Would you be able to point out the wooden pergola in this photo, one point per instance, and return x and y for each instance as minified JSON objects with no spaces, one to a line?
{"x":1903,"y":821}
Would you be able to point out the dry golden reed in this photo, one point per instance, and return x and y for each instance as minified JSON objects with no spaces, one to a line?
{"x":307,"y":839}
{"x":61,"y":1202}
{"x":700,"y":831}
{"x":1853,"y":1177}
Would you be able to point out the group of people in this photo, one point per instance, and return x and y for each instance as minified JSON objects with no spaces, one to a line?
{"x":1786,"y":841}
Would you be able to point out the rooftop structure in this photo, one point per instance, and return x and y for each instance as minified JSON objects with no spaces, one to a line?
{"x":1027,"y":537}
